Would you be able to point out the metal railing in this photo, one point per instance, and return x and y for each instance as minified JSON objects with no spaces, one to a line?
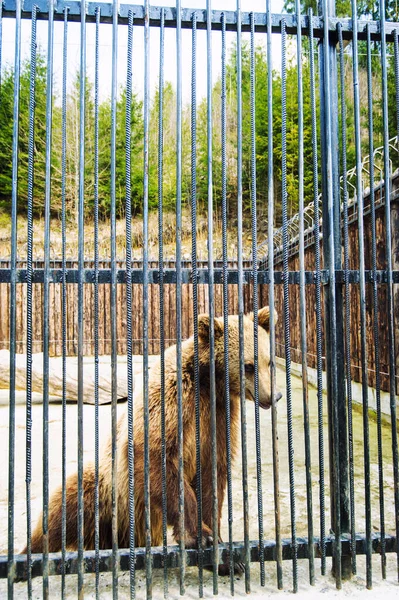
{"x":170,"y":463}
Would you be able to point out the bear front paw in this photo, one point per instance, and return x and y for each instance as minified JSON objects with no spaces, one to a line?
{"x":224,"y":570}
{"x":207,"y":539}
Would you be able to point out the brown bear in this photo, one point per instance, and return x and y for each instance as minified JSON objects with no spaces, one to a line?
{"x":155,"y":442}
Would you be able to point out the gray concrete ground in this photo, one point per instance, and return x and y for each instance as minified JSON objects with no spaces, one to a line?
{"x":324,"y":586}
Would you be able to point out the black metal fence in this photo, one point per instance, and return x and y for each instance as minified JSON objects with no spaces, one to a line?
{"x":155,"y":471}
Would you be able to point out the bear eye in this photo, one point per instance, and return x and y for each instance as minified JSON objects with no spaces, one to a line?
{"x":249,"y":368}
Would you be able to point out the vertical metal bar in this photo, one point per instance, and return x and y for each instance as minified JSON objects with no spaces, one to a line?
{"x":46,"y":302}
{"x":388,"y":245}
{"x":344,"y":489}
{"x":96,"y":309}
{"x":129,"y":303}
{"x":241,"y":304}
{"x":287,"y":336}
{"x":13,"y":297}
{"x":179,"y":291}
{"x":318,"y":298}
{"x":148,"y":564}
{"x":161,"y":298}
{"x":386,"y":158}
{"x":82,"y":105}
{"x":29,"y":268}
{"x":375,"y":306}
{"x":329,"y":230}
{"x":1,"y":33}
{"x":114,"y":350}
{"x":226,"y":307}
{"x":256,"y":300}
{"x":64,"y":296}
{"x":396,"y":55}
{"x":347,"y":300}
{"x":270,"y":199}
{"x":198,"y":477}
{"x":302,"y":299}
{"x":362,"y":291}
{"x":212,"y":384}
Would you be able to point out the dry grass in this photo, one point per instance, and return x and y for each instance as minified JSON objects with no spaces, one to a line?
{"x":169,"y":238}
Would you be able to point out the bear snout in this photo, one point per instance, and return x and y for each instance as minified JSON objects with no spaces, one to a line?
{"x":266,"y":404}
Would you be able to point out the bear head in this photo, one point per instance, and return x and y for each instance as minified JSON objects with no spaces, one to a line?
{"x":234,"y":353}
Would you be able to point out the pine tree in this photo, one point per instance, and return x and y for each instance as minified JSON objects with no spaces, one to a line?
{"x":6,"y":133}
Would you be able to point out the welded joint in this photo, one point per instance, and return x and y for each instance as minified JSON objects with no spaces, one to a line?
{"x":33,"y":5}
{"x":28,"y":6}
{"x":325,"y":276}
{"x":154,"y":276}
{"x":194,"y":276}
{"x":255,"y":269}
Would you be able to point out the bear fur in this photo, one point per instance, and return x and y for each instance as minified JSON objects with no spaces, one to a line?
{"x":155,"y":445}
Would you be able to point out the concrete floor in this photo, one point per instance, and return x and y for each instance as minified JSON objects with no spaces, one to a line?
{"x":324,"y":585}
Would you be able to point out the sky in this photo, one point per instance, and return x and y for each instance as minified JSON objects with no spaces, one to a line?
{"x":8,"y":49}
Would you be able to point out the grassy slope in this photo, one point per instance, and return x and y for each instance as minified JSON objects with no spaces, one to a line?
{"x":169,"y":241}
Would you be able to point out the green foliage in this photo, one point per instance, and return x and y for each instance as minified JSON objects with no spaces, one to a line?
{"x":365,"y":8}
{"x":6,"y":134}
{"x":73,"y":147}
{"x":342,"y":7}
{"x":169,"y":185}
{"x":169,"y":139}
{"x":261,"y":134}
{"x":137,"y":136}
{"x":292,"y":155}
{"x":6,"y":128}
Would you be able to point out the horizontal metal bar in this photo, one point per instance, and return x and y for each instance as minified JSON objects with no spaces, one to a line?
{"x":169,"y":276}
{"x":230,"y":17}
{"x":5,"y":263}
{"x":157,"y":555}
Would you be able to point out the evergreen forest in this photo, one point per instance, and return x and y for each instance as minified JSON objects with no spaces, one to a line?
{"x":169,"y":132}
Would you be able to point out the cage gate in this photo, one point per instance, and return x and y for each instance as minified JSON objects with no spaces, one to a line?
{"x":272,"y":182}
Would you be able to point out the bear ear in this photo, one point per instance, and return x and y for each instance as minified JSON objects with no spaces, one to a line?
{"x":264,"y":317}
{"x":204,"y":326}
